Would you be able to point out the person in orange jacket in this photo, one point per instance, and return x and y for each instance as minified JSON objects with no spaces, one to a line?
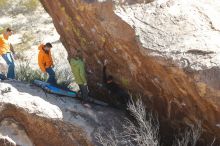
{"x":45,"y":62}
{"x":7,"y":52}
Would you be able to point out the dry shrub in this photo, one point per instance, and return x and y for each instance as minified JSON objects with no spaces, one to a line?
{"x":145,"y":132}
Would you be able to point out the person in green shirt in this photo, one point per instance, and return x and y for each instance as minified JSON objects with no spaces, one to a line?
{"x":78,"y":68}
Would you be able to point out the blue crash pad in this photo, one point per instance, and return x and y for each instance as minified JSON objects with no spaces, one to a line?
{"x":53,"y":89}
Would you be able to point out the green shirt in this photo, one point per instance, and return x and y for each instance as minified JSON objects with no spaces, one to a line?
{"x":78,"y":69}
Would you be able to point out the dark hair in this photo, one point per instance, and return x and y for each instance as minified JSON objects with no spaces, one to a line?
{"x":8,"y":29}
{"x":49,"y":45}
{"x":110,"y":78}
{"x":79,"y":54}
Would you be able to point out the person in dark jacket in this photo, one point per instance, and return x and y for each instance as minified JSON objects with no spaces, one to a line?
{"x":120,"y":96}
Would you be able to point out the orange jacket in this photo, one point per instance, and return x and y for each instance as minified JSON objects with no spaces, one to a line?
{"x":44,"y":59}
{"x":4,"y":45}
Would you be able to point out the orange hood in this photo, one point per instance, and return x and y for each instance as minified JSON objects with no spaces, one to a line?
{"x":44,"y":59}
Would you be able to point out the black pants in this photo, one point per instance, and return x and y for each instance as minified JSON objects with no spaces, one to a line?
{"x":84,"y":92}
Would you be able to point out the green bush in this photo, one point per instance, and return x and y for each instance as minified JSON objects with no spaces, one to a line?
{"x":26,"y":42}
{"x":24,"y":72}
{"x":31,"y":5}
{"x":3,"y":3}
{"x":1,"y":30}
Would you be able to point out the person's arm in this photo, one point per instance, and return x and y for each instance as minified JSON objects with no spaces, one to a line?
{"x":12,"y":49}
{"x":83,"y":73}
{"x":41,"y":63}
{"x":1,"y":41}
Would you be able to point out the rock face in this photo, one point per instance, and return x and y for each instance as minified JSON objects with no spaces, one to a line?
{"x":29,"y":116}
{"x":127,"y":34}
{"x":184,"y":31}
{"x":177,"y":29}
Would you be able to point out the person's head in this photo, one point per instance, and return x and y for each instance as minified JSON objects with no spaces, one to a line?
{"x":8,"y":31}
{"x":47,"y":46}
{"x":78,"y":54}
{"x":110,"y":79}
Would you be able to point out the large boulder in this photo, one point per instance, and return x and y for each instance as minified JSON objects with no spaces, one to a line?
{"x":134,"y":36}
{"x":29,"y":116}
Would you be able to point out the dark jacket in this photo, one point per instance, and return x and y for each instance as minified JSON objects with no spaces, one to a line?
{"x":114,"y":88}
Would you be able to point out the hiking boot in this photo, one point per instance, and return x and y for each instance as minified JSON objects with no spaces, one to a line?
{"x":85,"y":104}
